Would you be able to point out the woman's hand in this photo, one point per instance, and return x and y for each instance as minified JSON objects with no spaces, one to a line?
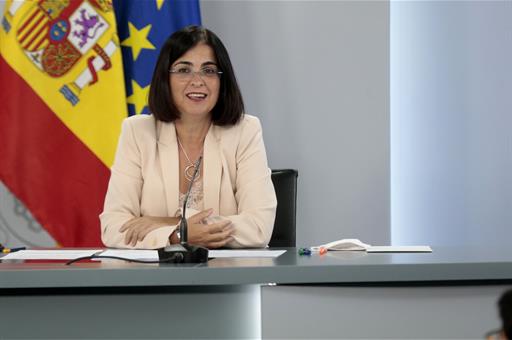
{"x":214,"y":235}
{"x":137,"y":228}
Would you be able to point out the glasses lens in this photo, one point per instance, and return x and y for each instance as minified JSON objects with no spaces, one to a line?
{"x":210,"y":72}
{"x":184,"y":72}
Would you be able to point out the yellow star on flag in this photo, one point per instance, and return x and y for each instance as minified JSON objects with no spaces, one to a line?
{"x":139,"y":97}
{"x":138,"y":40}
{"x":159,"y":4}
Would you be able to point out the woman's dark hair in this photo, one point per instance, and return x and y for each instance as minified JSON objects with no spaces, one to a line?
{"x":229,"y":107}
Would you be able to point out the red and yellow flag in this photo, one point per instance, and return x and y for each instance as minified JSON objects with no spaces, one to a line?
{"x":62,"y":100}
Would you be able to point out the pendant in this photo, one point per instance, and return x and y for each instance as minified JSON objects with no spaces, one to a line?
{"x":189,"y":172}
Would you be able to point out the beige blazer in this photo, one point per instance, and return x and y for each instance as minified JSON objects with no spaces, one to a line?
{"x":144,"y":181}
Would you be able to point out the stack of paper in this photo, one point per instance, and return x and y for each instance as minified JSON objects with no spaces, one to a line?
{"x":139,"y":254}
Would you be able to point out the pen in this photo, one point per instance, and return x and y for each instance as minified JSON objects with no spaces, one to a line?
{"x":12,"y":250}
{"x":309,"y":251}
{"x":304,"y":251}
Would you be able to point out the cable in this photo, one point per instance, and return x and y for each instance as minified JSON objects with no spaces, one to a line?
{"x":176,"y":258}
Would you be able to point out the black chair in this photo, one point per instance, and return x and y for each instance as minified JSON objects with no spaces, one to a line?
{"x":285,"y":184}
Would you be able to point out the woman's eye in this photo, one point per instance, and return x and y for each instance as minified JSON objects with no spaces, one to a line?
{"x":209,"y":70}
{"x":183,"y":70}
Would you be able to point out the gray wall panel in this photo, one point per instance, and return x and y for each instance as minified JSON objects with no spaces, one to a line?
{"x":317,"y":75}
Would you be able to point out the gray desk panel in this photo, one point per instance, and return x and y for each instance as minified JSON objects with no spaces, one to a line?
{"x":364,"y":286}
{"x":384,"y":312}
{"x":444,"y":264}
{"x":225,"y":312}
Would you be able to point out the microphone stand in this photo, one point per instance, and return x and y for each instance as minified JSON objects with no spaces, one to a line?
{"x":185,"y":252}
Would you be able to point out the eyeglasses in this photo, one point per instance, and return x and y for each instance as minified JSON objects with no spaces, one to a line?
{"x":186,"y":73}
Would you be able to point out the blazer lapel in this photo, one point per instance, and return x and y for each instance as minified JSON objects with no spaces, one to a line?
{"x":169,"y":161}
{"x":212,"y":171}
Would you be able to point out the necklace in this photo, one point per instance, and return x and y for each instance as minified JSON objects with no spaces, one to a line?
{"x":189,"y":169}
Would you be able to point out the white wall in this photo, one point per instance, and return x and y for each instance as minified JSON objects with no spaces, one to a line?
{"x":317,"y":75}
{"x":451,"y":122}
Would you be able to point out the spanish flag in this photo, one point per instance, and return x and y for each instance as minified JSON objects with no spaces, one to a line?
{"x":62,"y":100}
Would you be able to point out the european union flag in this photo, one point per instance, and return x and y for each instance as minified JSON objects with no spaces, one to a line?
{"x":143,"y":26}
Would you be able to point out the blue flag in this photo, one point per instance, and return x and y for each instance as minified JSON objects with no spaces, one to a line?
{"x":143,"y":26}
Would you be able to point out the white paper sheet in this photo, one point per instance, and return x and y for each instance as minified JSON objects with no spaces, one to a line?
{"x":149,"y":255}
{"x":133,"y":254}
{"x":61,"y":254}
{"x":139,"y":254}
{"x":153,"y":254}
{"x":399,"y":249}
{"x":245,"y":253}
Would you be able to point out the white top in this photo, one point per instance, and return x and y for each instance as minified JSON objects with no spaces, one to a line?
{"x":195,"y":200}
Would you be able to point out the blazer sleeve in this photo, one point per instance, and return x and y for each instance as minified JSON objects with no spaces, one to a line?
{"x":254,"y":193}
{"x":122,"y":201}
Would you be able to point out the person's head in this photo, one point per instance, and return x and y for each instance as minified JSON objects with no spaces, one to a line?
{"x":185,"y":80}
{"x":505,"y":308}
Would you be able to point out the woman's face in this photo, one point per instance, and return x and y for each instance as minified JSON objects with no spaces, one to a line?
{"x":195,"y":82}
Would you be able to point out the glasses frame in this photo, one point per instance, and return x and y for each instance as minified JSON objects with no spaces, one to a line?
{"x":192,"y":74}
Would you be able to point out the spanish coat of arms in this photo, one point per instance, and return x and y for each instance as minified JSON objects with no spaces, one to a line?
{"x":56,"y":34}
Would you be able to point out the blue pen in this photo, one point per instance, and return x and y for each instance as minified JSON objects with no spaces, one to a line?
{"x":304,"y":251}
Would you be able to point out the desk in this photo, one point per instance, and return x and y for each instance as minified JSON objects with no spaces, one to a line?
{"x":222,"y":299}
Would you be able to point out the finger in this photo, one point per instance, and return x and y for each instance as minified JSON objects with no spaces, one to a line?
{"x":220,"y":236}
{"x":133,"y":235}
{"x":128,"y":236}
{"x":229,"y":230}
{"x":219,"y":244}
{"x":129,"y":232}
{"x":138,"y":235}
{"x":134,"y":232}
{"x":128,"y":224}
{"x":134,"y":241}
{"x":144,"y":232}
{"x":218,"y":227}
{"x":200,"y":216}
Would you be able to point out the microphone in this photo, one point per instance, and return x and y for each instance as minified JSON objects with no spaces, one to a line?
{"x":184,"y":252}
{"x":183,"y":222}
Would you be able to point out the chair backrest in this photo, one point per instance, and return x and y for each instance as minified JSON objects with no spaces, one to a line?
{"x":285,"y":184}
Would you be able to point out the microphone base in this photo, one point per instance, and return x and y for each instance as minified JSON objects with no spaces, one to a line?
{"x":183,"y":253}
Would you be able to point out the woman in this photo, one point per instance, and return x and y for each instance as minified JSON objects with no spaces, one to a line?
{"x":197,"y":110}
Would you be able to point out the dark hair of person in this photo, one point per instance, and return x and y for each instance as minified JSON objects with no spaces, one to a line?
{"x":505,"y":308}
{"x":229,"y":107}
